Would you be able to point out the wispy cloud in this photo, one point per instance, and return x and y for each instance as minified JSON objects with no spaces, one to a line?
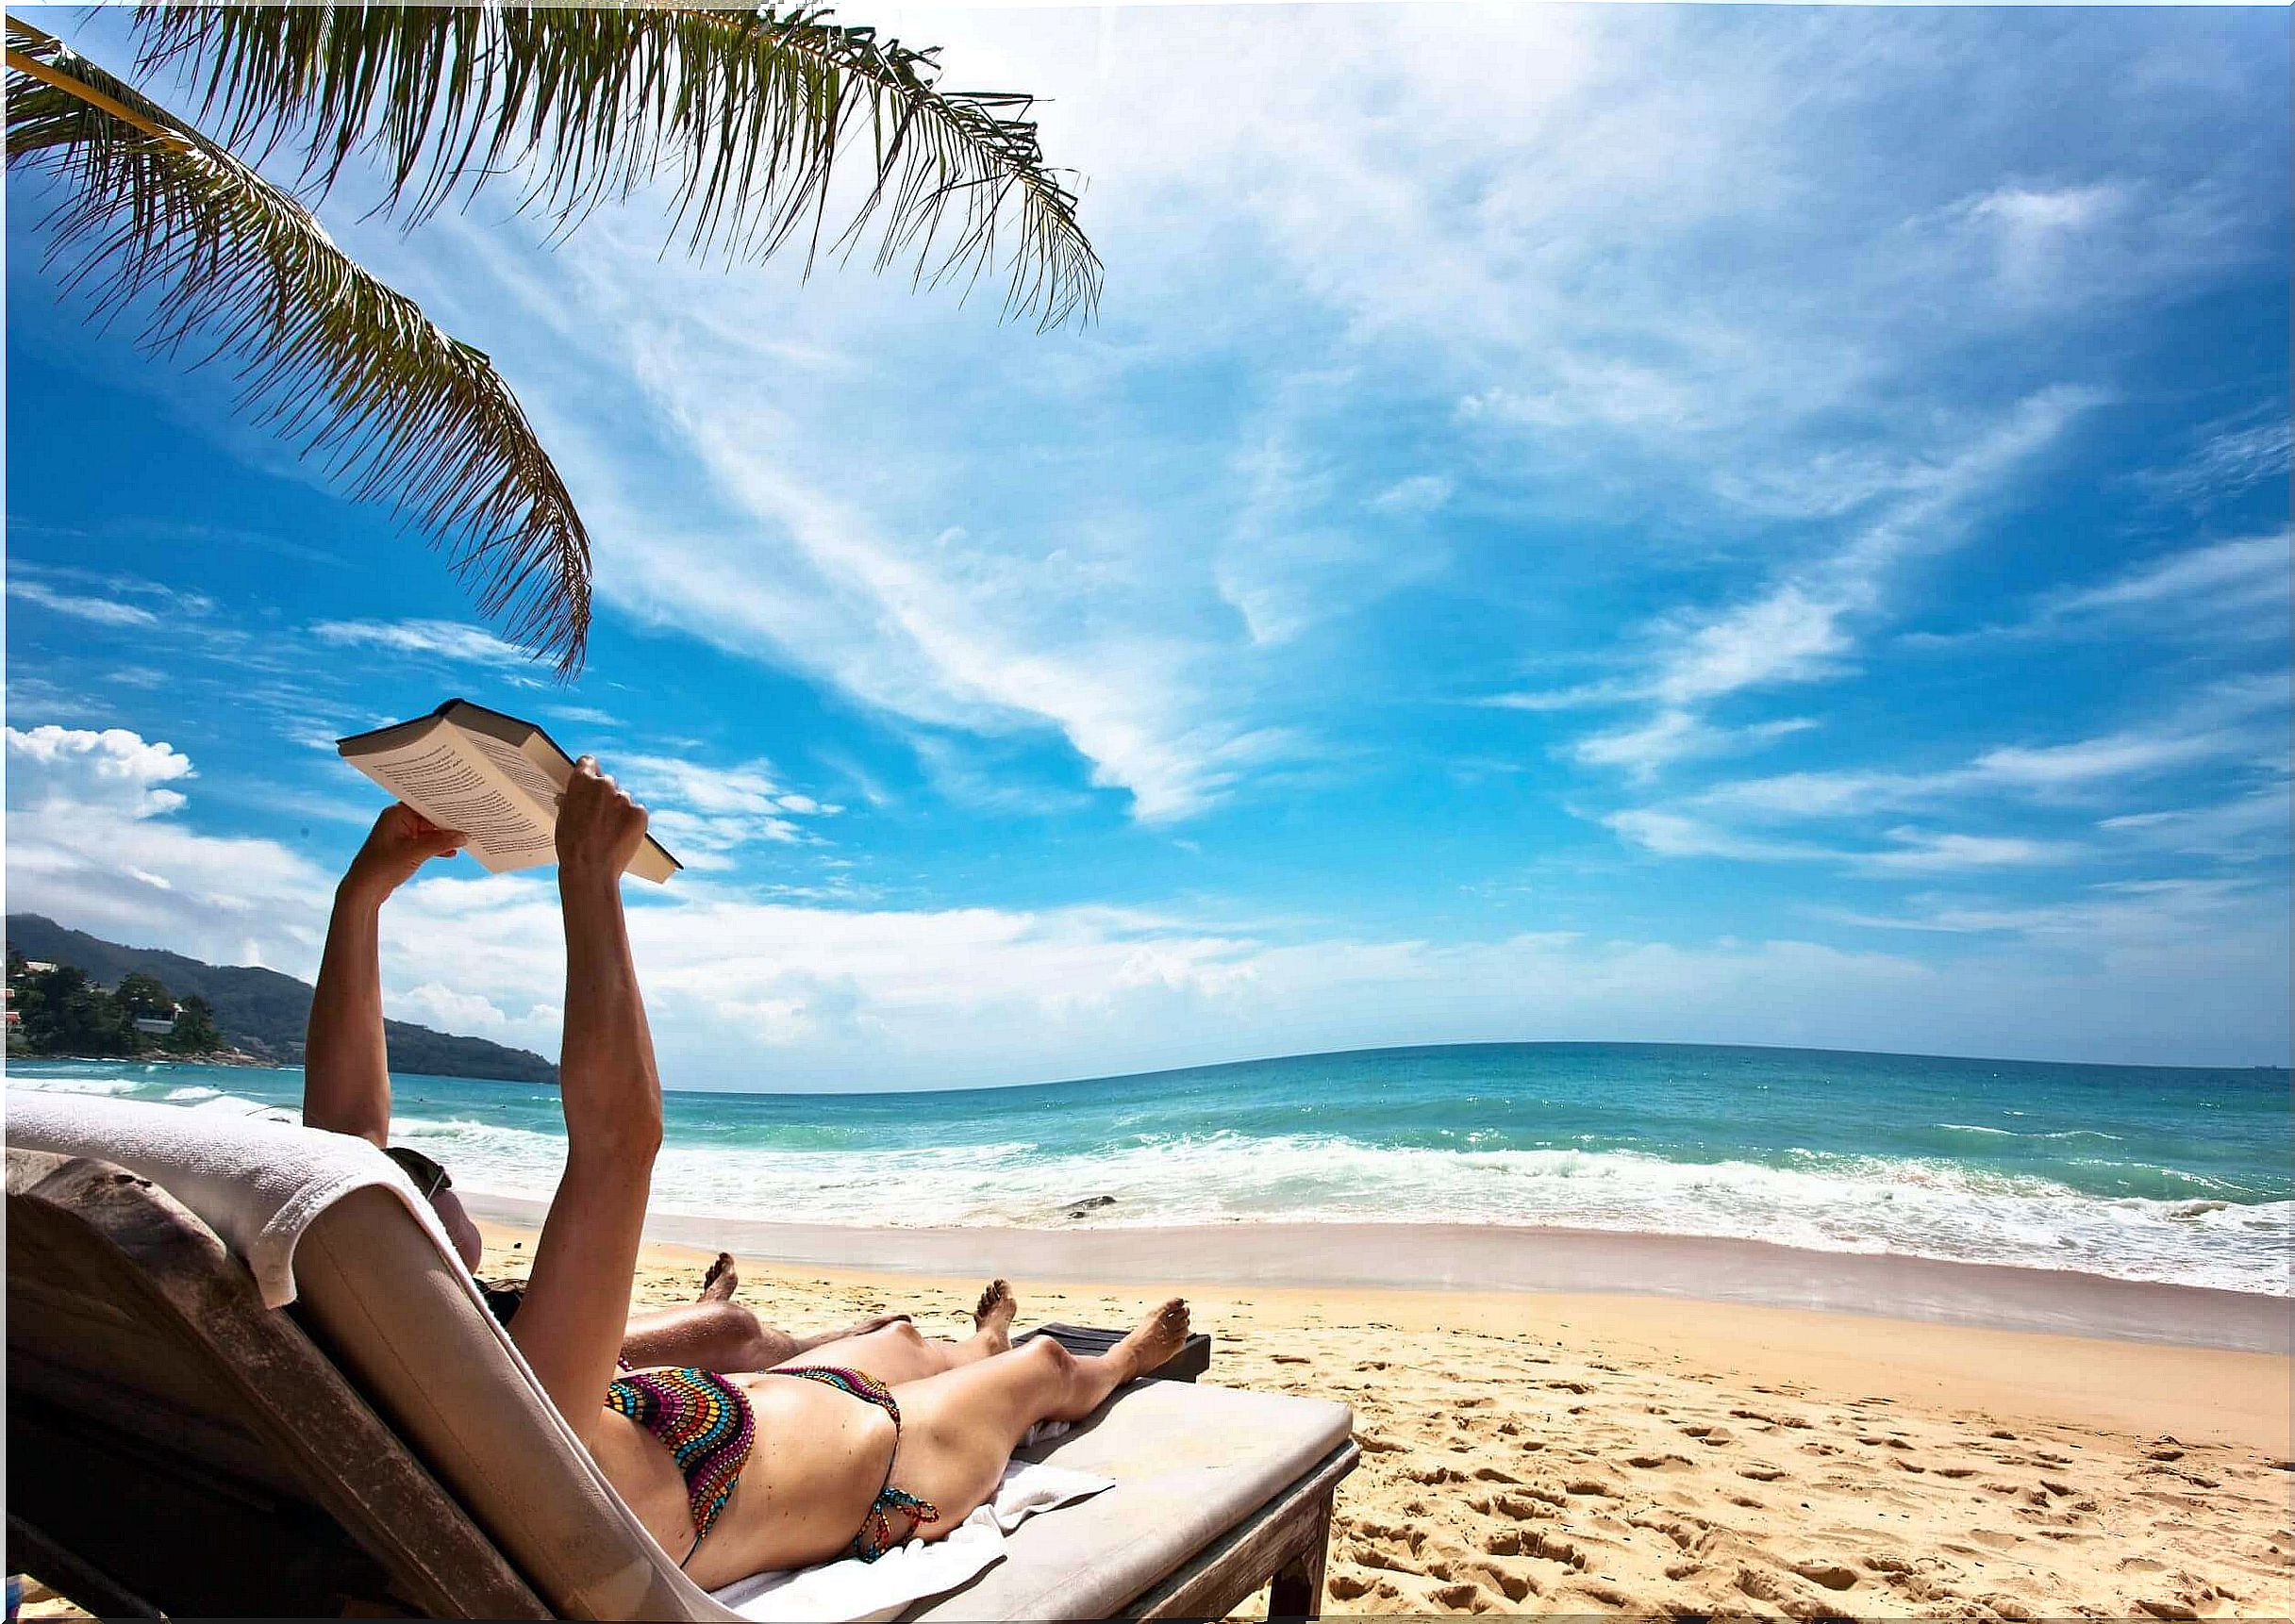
{"x":101,"y":611}
{"x":104,"y":598}
{"x":2240,"y":588}
{"x":442,"y":640}
{"x":1800,"y":629}
{"x":1910,"y":850}
{"x":706,"y":814}
{"x":583,"y":715}
{"x":2231,"y":460}
{"x":2229,"y":721}
{"x":1925,"y":850}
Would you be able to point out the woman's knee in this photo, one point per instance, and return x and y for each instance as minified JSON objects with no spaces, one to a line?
{"x":740,"y":1340}
{"x":1046,"y":1355}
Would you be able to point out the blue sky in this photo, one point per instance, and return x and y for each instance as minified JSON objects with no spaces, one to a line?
{"x":1733,"y":524}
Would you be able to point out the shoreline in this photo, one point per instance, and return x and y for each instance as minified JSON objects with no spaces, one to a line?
{"x":235,"y":1059}
{"x":1437,"y":1259}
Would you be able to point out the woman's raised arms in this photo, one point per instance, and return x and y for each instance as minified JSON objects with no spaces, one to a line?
{"x":578,"y":1298}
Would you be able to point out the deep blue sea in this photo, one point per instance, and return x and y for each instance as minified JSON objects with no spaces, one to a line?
{"x":2147,"y":1174}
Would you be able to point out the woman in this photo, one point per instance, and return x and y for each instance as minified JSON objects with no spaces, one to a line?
{"x":737,"y":1474}
{"x":346,"y":1089}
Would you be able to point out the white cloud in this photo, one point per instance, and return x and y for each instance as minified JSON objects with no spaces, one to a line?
{"x":101,"y":611}
{"x":1674,"y":835}
{"x":1683,"y":286}
{"x":2116,"y":916}
{"x":2242,"y":588}
{"x":704,"y":813}
{"x":444,"y":639}
{"x":1420,"y":493}
{"x":2253,"y":827}
{"x":2035,"y":235}
{"x":2235,"y":458}
{"x":2252,"y":572}
{"x":1798,"y":630}
{"x":114,"y":770}
{"x":449,"y":1009}
{"x":1922,"y":851}
{"x":753,"y":994}
{"x":1670,"y":834}
{"x":2229,"y":721}
{"x":2087,"y":762}
{"x":104,"y":598}
{"x":94,"y":840}
{"x":582,"y":715}
{"x":1673,"y":734}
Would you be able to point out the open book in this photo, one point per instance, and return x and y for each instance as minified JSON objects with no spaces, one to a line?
{"x":487,"y":776}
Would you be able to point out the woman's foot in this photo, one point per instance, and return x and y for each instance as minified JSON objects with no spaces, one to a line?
{"x":722,"y":1282}
{"x":992,"y":1317}
{"x":1159,"y":1335}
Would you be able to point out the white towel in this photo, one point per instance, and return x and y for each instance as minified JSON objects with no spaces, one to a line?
{"x":257,"y":1184}
{"x":851,"y":1591}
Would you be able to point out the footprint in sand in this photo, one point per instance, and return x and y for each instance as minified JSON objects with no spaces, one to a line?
{"x":1832,"y":1575}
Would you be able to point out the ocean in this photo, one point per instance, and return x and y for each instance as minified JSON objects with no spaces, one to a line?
{"x":2180,"y":1175}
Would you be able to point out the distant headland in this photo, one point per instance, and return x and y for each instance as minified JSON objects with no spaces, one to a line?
{"x":237,"y":1015}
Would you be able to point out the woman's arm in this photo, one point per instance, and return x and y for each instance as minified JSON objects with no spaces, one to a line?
{"x":347,"y":1067}
{"x":576,"y":1304}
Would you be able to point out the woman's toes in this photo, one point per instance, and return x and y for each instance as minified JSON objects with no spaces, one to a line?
{"x":722,"y":1280}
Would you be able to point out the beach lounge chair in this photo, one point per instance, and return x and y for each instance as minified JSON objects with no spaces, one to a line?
{"x":177,"y":1446}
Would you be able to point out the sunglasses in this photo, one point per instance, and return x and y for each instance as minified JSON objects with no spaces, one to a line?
{"x":428,"y":1175}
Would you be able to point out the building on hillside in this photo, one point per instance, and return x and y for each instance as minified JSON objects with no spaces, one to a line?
{"x":155,"y":1025}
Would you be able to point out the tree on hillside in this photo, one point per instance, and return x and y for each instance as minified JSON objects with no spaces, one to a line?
{"x":743,"y":114}
{"x":64,"y":1013}
{"x":196,"y":1032}
{"x":142,"y":995}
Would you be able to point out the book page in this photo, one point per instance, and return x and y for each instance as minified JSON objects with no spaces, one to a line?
{"x":442,"y":777}
{"x":515,"y":765}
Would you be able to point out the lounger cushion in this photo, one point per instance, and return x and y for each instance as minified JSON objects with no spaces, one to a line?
{"x":399,"y":1317}
{"x":1191,"y":1461}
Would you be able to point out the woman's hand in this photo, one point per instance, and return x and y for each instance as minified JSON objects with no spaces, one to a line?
{"x":400,"y":841}
{"x":599,"y":826}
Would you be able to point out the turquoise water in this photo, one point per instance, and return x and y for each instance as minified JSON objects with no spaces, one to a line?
{"x":2142,"y":1172}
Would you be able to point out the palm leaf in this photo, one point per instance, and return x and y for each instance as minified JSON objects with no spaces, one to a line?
{"x":744,"y":113}
{"x":153,"y":218}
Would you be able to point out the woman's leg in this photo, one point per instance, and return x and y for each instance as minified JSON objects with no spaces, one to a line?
{"x":712,"y":1334}
{"x":899,"y":1354}
{"x":959,"y":1428}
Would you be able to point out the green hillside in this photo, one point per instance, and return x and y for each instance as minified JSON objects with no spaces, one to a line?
{"x":265,"y":1011}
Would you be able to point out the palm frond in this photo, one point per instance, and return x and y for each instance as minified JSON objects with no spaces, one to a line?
{"x":745,"y":112}
{"x":153,"y":218}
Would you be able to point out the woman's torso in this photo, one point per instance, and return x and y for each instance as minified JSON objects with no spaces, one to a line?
{"x":817,"y":1463}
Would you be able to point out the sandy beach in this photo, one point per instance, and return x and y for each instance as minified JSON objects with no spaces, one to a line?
{"x":1540,"y":1452}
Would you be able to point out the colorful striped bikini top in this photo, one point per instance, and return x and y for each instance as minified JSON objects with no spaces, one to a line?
{"x":704,"y":1422}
